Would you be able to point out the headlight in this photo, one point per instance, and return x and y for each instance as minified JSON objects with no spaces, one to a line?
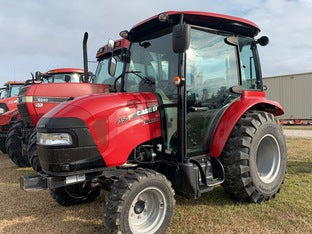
{"x":2,"y":110}
{"x":54,"y":139}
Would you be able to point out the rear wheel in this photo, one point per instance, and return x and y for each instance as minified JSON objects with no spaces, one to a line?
{"x":13,"y":145}
{"x":254,"y":158}
{"x":75,"y":194}
{"x":33,"y":152}
{"x":141,"y":201}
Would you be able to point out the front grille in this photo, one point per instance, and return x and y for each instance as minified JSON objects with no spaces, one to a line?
{"x":22,"y":109}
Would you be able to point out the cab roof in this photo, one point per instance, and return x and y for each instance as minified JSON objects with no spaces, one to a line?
{"x":205,"y":19}
{"x":14,"y":83}
{"x":65,"y":70}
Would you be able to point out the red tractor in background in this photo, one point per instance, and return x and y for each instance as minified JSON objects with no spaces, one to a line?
{"x":64,"y":84}
{"x":34,"y":107}
{"x":8,"y":107}
{"x":191,"y":115}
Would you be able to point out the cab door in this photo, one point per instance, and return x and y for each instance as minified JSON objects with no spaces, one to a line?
{"x":211,"y":70}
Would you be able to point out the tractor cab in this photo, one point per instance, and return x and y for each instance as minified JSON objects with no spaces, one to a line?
{"x":8,"y":94}
{"x":197,"y":66}
{"x":11,"y":89}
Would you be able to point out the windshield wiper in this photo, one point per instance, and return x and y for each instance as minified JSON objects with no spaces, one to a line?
{"x":144,"y":78}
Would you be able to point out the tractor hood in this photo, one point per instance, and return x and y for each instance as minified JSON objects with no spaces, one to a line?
{"x":36,"y":100}
{"x":112,"y":119}
{"x":110,"y":106}
{"x":8,"y":104}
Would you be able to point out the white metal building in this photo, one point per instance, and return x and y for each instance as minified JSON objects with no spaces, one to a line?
{"x":293,"y":92}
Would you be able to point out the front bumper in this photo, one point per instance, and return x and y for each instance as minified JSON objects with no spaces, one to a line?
{"x":45,"y":181}
{"x":57,"y":161}
{"x":64,"y":160}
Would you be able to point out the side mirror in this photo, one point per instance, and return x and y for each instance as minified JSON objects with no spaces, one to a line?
{"x":181,"y":38}
{"x":112,"y":64}
{"x":110,"y":45}
{"x":263,"y":41}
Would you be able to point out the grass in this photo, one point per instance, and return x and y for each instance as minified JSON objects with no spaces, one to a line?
{"x":289,"y":212}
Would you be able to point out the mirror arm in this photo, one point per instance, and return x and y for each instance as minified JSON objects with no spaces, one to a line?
{"x":115,"y":83}
{"x":182,"y":19}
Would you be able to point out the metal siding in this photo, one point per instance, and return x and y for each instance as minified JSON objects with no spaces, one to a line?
{"x":293,"y":92}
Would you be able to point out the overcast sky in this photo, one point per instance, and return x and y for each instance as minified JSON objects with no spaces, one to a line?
{"x":39,"y":35}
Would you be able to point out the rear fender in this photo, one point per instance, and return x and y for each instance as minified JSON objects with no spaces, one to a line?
{"x":250,"y":100}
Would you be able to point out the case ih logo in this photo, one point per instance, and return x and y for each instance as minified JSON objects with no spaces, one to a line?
{"x":147,"y":110}
{"x":39,"y":104}
{"x":138,"y":113}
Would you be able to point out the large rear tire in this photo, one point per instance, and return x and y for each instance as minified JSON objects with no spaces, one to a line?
{"x":33,"y":152}
{"x":75,"y":194}
{"x":254,"y":158}
{"x":13,"y":145}
{"x":141,"y":201}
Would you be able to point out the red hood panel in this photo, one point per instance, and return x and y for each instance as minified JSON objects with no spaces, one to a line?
{"x":66,"y":89}
{"x":118,"y":122}
{"x":48,"y":96}
{"x":10,"y":102}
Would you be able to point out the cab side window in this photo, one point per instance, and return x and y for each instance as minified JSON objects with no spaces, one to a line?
{"x":248,"y":56}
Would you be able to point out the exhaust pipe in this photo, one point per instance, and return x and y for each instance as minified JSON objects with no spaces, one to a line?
{"x":32,"y":77}
{"x":85,"y":57}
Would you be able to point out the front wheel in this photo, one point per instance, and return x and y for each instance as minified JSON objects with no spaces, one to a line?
{"x":141,"y":201}
{"x":33,"y":152}
{"x":13,"y":145}
{"x":254,"y":158}
{"x":75,"y":194}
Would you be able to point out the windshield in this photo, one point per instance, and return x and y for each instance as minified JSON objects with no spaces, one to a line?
{"x":62,"y":78}
{"x":152,"y":67}
{"x":4,"y":93}
{"x":101,"y":74}
{"x":15,"y":90}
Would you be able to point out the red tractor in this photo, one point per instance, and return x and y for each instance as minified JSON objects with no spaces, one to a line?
{"x":191,"y":114}
{"x":35,"y":101}
{"x":8,"y":108}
